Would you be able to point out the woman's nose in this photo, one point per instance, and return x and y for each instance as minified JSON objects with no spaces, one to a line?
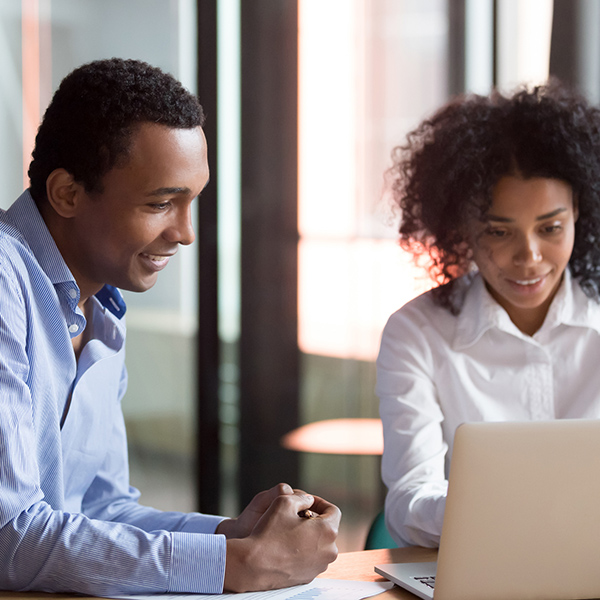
{"x":528,"y":252}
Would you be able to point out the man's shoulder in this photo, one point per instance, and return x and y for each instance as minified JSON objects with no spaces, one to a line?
{"x":8,"y":228}
{"x":10,"y":232}
{"x":12,"y":240}
{"x":17,"y":261}
{"x":13,"y":246}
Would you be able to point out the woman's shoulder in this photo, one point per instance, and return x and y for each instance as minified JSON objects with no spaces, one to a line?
{"x":423,"y":324}
{"x":428,"y":308}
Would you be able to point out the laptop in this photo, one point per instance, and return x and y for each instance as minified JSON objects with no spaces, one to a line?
{"x":522,"y":517}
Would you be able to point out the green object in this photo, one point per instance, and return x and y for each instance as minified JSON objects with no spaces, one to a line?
{"x":379,"y":536}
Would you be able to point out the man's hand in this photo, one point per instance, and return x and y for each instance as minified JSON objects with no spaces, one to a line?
{"x":270,"y":546}
{"x":244,"y":524}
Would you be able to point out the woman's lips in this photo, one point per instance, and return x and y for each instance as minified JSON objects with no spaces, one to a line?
{"x":529,"y":285}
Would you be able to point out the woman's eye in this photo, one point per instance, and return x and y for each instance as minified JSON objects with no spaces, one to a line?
{"x":554,"y":228}
{"x":494,"y":232}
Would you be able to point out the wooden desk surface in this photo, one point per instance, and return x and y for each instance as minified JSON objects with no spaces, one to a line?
{"x":359,"y":566}
{"x":349,"y":565}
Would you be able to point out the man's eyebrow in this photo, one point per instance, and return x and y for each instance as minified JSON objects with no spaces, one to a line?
{"x":540,"y":218}
{"x":169,"y":191}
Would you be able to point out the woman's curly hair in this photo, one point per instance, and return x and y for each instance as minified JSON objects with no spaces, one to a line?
{"x":87,"y":127}
{"x":445,"y":174}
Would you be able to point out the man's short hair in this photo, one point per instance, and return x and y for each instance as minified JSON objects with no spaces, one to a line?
{"x":87,"y":127}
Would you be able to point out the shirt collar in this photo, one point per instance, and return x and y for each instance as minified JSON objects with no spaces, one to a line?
{"x":25,"y":215}
{"x":477,"y":314}
{"x":572,"y":307}
{"x":481,"y":312}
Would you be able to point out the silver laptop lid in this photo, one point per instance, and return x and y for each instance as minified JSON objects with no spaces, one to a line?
{"x":522,"y":517}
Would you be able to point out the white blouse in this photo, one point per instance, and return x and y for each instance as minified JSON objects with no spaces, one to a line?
{"x":436,"y":371}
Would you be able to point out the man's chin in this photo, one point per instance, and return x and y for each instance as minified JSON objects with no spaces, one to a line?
{"x":139,"y":286}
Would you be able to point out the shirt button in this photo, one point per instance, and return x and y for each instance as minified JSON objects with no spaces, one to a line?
{"x":73,"y":293}
{"x":73,"y":328}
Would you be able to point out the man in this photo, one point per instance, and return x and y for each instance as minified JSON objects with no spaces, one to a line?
{"x":119,"y":158}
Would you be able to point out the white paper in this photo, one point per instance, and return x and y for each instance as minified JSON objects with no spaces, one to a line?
{"x":323,"y":589}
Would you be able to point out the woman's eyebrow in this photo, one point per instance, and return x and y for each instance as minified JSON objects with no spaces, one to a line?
{"x":551,"y":214}
{"x":499,"y":219}
{"x":543,"y":217}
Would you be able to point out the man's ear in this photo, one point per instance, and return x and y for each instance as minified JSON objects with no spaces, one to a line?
{"x":63,"y":192}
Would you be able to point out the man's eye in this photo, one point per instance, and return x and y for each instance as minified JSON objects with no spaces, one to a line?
{"x":160,"y":205}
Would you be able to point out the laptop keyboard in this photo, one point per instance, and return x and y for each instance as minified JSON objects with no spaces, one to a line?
{"x":427,"y":580}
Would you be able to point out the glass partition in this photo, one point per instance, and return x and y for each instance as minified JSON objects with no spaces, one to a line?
{"x":40,"y":42}
{"x":370,"y":70}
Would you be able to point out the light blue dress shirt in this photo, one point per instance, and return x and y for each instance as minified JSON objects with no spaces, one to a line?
{"x":69,"y":521}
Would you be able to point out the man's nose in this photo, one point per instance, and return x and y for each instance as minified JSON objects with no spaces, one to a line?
{"x":181,"y":231}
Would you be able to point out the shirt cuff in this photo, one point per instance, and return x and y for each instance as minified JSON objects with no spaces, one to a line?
{"x":201,"y":523}
{"x":197,"y":563}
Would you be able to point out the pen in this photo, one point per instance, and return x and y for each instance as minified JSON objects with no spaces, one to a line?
{"x":307,"y":514}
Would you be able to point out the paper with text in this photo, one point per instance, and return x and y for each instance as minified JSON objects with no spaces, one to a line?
{"x":318,"y":589}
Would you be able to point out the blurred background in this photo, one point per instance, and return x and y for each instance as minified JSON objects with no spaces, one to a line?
{"x":271,"y":320}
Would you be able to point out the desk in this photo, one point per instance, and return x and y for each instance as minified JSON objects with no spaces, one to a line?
{"x":359,"y":566}
{"x":349,"y":565}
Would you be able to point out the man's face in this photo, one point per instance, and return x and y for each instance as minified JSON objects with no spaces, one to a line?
{"x":125,"y":234}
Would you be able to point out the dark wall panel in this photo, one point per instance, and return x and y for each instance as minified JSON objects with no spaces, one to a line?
{"x":208,"y":456}
{"x":269,"y":357}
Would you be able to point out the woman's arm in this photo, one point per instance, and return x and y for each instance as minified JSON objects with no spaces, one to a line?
{"x":414,"y":448}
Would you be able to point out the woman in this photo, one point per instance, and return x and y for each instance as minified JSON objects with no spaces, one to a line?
{"x":503,"y":194}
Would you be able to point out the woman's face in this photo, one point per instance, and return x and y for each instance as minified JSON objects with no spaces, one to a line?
{"x":524,"y":245}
